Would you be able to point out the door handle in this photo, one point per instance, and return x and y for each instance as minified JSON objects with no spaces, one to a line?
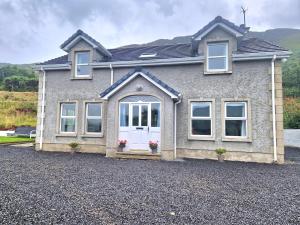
{"x":148,"y":129}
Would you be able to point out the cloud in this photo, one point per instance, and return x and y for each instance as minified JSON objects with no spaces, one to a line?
{"x":32,"y":30}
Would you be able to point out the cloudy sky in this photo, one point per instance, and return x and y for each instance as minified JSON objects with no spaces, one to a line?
{"x":32,"y":30}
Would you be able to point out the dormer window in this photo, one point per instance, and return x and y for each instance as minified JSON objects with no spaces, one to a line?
{"x":217,"y":56}
{"x":82,"y":68}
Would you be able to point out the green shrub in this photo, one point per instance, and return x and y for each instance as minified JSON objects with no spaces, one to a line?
{"x":221,"y":151}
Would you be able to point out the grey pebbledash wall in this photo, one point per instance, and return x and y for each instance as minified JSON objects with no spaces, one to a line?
{"x":248,"y":80}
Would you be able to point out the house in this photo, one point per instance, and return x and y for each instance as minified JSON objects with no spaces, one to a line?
{"x":221,"y":90}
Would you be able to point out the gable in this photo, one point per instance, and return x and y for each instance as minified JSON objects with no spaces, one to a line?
{"x":143,"y":74}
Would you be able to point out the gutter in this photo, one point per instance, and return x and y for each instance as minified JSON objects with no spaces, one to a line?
{"x":43,"y":109}
{"x":111,"y":74}
{"x":274,"y":109}
{"x":175,"y":126}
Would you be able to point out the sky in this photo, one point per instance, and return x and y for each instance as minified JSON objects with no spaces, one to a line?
{"x":32,"y":30}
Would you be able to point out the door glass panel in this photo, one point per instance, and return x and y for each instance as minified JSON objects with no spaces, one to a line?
{"x":135,"y":115}
{"x":155,"y":115}
{"x":144,"y":115}
{"x":124,"y":115}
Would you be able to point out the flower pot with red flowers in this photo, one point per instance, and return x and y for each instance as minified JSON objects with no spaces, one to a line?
{"x":153,"y":145}
{"x":122,"y":145}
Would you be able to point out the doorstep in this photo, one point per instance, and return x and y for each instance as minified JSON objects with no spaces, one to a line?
{"x":137,"y":154}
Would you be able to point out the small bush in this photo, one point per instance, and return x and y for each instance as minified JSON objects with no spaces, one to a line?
{"x":74,"y":145}
{"x":221,"y":151}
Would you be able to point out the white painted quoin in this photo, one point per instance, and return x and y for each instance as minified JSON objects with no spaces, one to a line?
{"x":139,"y":122}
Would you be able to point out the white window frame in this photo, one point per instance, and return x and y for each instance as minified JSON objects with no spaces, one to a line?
{"x":81,"y":64}
{"x":214,"y":57}
{"x":93,"y":117}
{"x":245,"y":118}
{"x":201,"y":118}
{"x":67,"y":117}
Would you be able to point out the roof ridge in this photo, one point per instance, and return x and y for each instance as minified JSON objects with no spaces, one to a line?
{"x":147,"y":46}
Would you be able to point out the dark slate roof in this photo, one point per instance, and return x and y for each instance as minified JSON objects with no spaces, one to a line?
{"x":241,"y":29}
{"x":80,"y":32}
{"x":255,"y":45}
{"x":131,"y":73}
{"x":249,"y":45}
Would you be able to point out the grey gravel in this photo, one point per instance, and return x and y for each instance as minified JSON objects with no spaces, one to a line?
{"x":59,"y":188}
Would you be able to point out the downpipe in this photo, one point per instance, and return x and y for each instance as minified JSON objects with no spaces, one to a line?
{"x":175,"y":126}
{"x":111,"y":74}
{"x":274,"y":109}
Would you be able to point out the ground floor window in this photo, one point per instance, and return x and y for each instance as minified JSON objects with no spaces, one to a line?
{"x":67,"y":117}
{"x":93,"y":117}
{"x":236,"y":119}
{"x":201,"y":119}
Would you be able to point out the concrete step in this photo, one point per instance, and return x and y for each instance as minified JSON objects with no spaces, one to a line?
{"x":137,"y":154}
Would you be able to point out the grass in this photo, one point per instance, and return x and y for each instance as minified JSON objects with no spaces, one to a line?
{"x":17,"y":109}
{"x":15,"y":139}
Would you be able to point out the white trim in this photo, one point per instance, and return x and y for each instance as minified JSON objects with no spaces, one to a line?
{"x":68,"y":117}
{"x":229,"y":29}
{"x":244,"y":118}
{"x":81,"y":64}
{"x":226,"y":56}
{"x":131,"y":78}
{"x":201,"y":118}
{"x":43,"y":109}
{"x":75,"y":40}
{"x":260,"y":55}
{"x":274,"y":109}
{"x":92,"y":117}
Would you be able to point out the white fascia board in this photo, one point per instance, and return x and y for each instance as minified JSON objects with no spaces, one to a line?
{"x":131,"y":78}
{"x":260,"y":55}
{"x":53,"y":67}
{"x":152,"y":62}
{"x":229,"y":29}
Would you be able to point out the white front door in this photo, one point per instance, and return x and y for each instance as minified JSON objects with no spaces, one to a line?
{"x":139,"y":123}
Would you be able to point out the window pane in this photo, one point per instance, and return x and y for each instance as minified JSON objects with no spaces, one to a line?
{"x":144,"y":115}
{"x":235,"y":128}
{"x":83,"y":70}
{"x":217,"y":63}
{"x":94,"y":125}
{"x":217,"y":49}
{"x":124,"y":115}
{"x":82,"y":57}
{"x":68,"y":125}
{"x":201,"y":109}
{"x":235,"y":109}
{"x":155,"y":115}
{"x":201,"y":127}
{"x":94,"y":109}
{"x":68,"y":109}
{"x":135,"y":115}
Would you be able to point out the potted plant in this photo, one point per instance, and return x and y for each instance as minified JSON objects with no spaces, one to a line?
{"x":220,"y":153}
{"x":122,"y":145}
{"x":153,"y":145}
{"x":74,"y":147}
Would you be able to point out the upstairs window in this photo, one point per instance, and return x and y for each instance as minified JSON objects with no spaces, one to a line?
{"x":217,"y":56}
{"x":82,"y":68}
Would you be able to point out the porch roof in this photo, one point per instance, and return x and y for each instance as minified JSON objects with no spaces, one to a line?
{"x":143,"y":73}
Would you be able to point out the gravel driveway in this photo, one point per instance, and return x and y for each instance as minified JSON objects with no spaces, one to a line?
{"x":58,"y":188}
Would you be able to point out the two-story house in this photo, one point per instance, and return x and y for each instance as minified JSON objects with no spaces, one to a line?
{"x":221,"y":90}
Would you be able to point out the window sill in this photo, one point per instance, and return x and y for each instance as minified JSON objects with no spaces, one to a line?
{"x":237,"y":139}
{"x":217,"y":72}
{"x":66,"y":135}
{"x":92,"y":135}
{"x":81,"y":78}
{"x":199,"y":138}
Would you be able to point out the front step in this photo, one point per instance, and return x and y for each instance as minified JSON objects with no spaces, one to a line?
{"x":137,"y":154}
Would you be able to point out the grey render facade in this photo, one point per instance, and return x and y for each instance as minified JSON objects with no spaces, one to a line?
{"x":167,"y":94}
